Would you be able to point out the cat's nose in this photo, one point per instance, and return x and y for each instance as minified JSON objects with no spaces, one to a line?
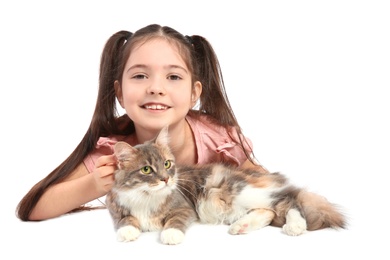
{"x":165,"y":179}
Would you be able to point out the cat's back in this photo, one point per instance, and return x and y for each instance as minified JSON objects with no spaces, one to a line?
{"x":222,"y":193}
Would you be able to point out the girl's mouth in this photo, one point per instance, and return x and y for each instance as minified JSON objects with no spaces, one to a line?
{"x":156,"y":107}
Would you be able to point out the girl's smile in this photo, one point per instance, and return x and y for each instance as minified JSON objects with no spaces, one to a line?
{"x":156,"y":107}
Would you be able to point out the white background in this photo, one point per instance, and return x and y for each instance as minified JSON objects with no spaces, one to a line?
{"x":309,"y":82}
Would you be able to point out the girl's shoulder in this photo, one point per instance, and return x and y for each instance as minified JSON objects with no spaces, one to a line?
{"x":215,"y":142}
{"x":202,"y":124}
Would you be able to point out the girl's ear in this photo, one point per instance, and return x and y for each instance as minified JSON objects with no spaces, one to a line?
{"x":196,"y":91}
{"x":118,"y":92}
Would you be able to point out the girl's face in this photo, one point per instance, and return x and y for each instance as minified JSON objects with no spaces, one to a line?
{"x":156,"y":86}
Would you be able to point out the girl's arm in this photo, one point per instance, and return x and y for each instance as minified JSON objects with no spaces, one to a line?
{"x":80,"y":188}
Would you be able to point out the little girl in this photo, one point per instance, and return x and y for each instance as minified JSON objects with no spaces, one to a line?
{"x":159,"y":77}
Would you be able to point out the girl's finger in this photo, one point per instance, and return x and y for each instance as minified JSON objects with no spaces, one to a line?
{"x":105,"y":160}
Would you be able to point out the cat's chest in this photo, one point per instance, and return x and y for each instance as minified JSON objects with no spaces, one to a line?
{"x":148,"y":209}
{"x":148,"y":220}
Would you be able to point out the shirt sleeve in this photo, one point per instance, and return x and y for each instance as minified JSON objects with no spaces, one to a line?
{"x":231,"y":150}
{"x":104,"y":146}
{"x":216,"y":143}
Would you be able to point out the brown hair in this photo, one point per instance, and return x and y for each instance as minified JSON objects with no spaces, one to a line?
{"x":202,"y":63}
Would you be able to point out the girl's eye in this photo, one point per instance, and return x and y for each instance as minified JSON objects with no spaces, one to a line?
{"x":139,"y":76}
{"x":146,"y":170}
{"x":174,"y":77}
{"x":167,"y":164}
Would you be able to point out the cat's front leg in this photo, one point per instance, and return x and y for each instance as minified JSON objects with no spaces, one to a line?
{"x":127,"y":233}
{"x":176,"y":224}
{"x":255,"y":219}
{"x":128,"y":229}
{"x":172,"y":236}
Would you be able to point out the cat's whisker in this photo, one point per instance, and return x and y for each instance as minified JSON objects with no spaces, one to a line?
{"x":189,"y":192}
{"x":190,"y":181}
{"x":194,"y":195}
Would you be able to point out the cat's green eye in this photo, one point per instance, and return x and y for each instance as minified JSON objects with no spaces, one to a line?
{"x":167,"y":164}
{"x":146,"y":170}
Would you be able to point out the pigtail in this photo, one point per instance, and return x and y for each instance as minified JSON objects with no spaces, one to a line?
{"x":213,"y":100}
{"x":104,"y":119}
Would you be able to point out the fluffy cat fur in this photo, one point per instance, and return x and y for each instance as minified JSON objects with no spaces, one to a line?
{"x":151,"y":193}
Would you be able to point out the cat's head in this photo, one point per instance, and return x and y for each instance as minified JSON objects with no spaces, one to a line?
{"x":148,"y":166}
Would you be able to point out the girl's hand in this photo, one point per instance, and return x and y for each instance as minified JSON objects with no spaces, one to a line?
{"x":103,"y":173}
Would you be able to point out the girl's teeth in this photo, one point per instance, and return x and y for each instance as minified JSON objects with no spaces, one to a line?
{"x":156,"y":107}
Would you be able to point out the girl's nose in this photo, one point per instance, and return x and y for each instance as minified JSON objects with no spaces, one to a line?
{"x":156,"y":88}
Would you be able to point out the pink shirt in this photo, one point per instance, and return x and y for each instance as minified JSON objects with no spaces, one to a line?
{"x":213,"y":144}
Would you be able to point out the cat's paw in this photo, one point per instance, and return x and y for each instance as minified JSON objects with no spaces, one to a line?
{"x":295,"y":229}
{"x":127,"y":233}
{"x":172,"y":236}
{"x":295,"y":223}
{"x":239,"y":228}
{"x":256,"y":219}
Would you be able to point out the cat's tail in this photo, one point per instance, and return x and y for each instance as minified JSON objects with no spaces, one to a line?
{"x":317,"y":210}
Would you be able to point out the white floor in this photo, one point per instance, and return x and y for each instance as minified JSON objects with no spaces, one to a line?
{"x":90,"y":234}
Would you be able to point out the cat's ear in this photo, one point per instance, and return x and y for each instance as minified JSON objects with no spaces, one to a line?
{"x":124,"y":153}
{"x":163,"y":137}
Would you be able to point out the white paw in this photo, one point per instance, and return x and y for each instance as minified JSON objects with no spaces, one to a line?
{"x":295,"y":223}
{"x":295,"y":229}
{"x":172,"y":236}
{"x":127,"y":233}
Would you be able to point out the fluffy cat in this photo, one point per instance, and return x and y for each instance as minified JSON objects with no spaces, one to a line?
{"x":151,"y":193}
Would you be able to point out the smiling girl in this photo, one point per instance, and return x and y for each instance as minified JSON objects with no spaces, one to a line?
{"x":159,"y":77}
